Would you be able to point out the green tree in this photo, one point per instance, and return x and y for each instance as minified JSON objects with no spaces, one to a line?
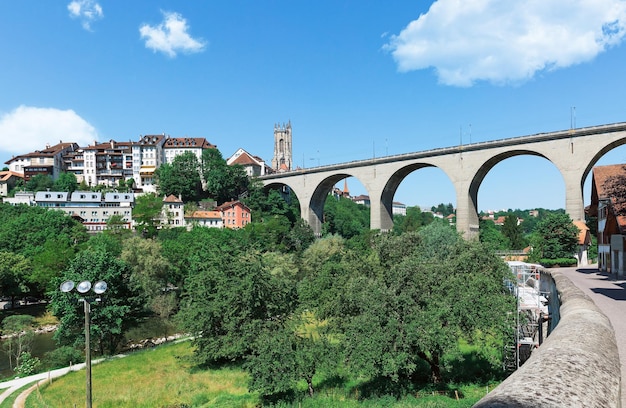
{"x":150,"y":274}
{"x":28,"y":364}
{"x":267,"y":203}
{"x":146,"y":213}
{"x":14,"y":272}
{"x":412,"y":221}
{"x":345,"y":217}
{"x":491,"y":236}
{"x":284,"y":354}
{"x":66,"y":182}
{"x":443,"y":209}
{"x":48,"y":263}
{"x":181,"y":178}
{"x":513,"y":232}
{"x":18,"y":337}
{"x":112,"y":317}
{"x":25,"y":229}
{"x":412,"y":306}
{"x":228,"y":300}
{"x":39,"y":182}
{"x":223,"y":182}
{"x":276,"y":233}
{"x":556,"y":237}
{"x":116,"y":225}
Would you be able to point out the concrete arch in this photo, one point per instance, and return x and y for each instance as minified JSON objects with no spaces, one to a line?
{"x":390,"y":188}
{"x":573,"y":152}
{"x":319,"y":196}
{"x":489,"y":164}
{"x":279,"y":186}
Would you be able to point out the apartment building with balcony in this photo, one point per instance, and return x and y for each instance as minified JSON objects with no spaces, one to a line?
{"x":47,"y":161}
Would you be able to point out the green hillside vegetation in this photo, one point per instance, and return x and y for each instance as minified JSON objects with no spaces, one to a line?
{"x":167,"y":376}
{"x":373,"y":315}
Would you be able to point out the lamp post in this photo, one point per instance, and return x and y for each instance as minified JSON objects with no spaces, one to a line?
{"x":83,"y":287}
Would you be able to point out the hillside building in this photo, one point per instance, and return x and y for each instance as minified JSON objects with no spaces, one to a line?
{"x":253,"y":165}
{"x":608,"y":204}
{"x":47,"y":161}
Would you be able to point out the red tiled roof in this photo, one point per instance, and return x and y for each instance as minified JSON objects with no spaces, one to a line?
{"x":150,"y":140}
{"x":230,"y":204}
{"x":49,"y":151}
{"x":583,"y":232}
{"x":205,"y":214}
{"x":187,"y":142}
{"x":172,"y":199}
{"x":609,"y":183}
{"x":6,"y":175}
{"x":246,"y":159}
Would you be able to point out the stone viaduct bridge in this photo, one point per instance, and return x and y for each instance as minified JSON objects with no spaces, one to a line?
{"x":573,"y":152}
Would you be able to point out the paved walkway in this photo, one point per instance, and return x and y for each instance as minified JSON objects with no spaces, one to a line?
{"x":13,"y":385}
{"x":609,"y":295}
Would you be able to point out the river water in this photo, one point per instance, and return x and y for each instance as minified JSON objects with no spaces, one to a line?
{"x":42,"y":343}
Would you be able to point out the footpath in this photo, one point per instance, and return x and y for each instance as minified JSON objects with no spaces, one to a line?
{"x":12,"y":386}
{"x":609,"y":294}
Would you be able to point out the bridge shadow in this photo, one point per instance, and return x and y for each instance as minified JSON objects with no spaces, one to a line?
{"x":615,"y":294}
{"x":618,"y":293}
{"x":587,"y":270}
{"x":596,"y":271}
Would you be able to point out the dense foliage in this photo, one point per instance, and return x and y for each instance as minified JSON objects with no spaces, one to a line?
{"x":391,"y":311}
{"x":390,"y":308}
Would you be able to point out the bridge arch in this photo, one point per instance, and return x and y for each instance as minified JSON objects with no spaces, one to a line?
{"x":573,"y":152}
{"x":318,"y":198}
{"x":488,"y":165}
{"x":285,"y":190}
{"x":391,"y":187}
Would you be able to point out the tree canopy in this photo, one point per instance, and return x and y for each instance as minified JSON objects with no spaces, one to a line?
{"x":181,"y":178}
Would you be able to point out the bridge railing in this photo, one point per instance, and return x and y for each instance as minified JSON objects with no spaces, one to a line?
{"x":576,"y":366}
{"x":519,"y":140}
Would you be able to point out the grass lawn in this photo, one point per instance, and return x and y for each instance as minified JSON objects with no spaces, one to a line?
{"x":167,"y":377}
{"x":161,"y":377}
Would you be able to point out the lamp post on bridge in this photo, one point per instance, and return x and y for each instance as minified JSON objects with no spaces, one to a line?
{"x":83,"y":287}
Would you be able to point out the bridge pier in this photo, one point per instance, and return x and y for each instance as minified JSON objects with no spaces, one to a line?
{"x":573,"y":152}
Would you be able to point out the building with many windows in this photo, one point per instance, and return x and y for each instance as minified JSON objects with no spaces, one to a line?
{"x":176,"y":146}
{"x":608,"y":204}
{"x":253,"y":165}
{"x":47,"y":161}
{"x":235,"y":214}
{"x":8,"y":180}
{"x":203,"y":218}
{"x":93,"y":209}
{"x":173,"y":213}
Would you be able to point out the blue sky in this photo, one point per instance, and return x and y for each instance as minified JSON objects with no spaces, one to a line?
{"x":356,"y":79}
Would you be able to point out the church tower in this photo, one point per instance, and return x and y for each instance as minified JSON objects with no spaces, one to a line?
{"x":282,"y":160}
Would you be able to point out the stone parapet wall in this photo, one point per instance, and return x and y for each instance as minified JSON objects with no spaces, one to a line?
{"x":577,"y":365}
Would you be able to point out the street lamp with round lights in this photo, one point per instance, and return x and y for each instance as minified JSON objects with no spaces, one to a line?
{"x":83,"y":287}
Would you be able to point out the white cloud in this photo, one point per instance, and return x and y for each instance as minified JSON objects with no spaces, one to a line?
{"x":503,"y":41}
{"x":171,"y":36}
{"x":87,"y":11}
{"x":28,"y":128}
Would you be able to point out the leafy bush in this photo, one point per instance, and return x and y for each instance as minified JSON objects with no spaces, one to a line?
{"x":28,"y":364}
{"x":62,"y":357}
{"x":559,"y":262}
